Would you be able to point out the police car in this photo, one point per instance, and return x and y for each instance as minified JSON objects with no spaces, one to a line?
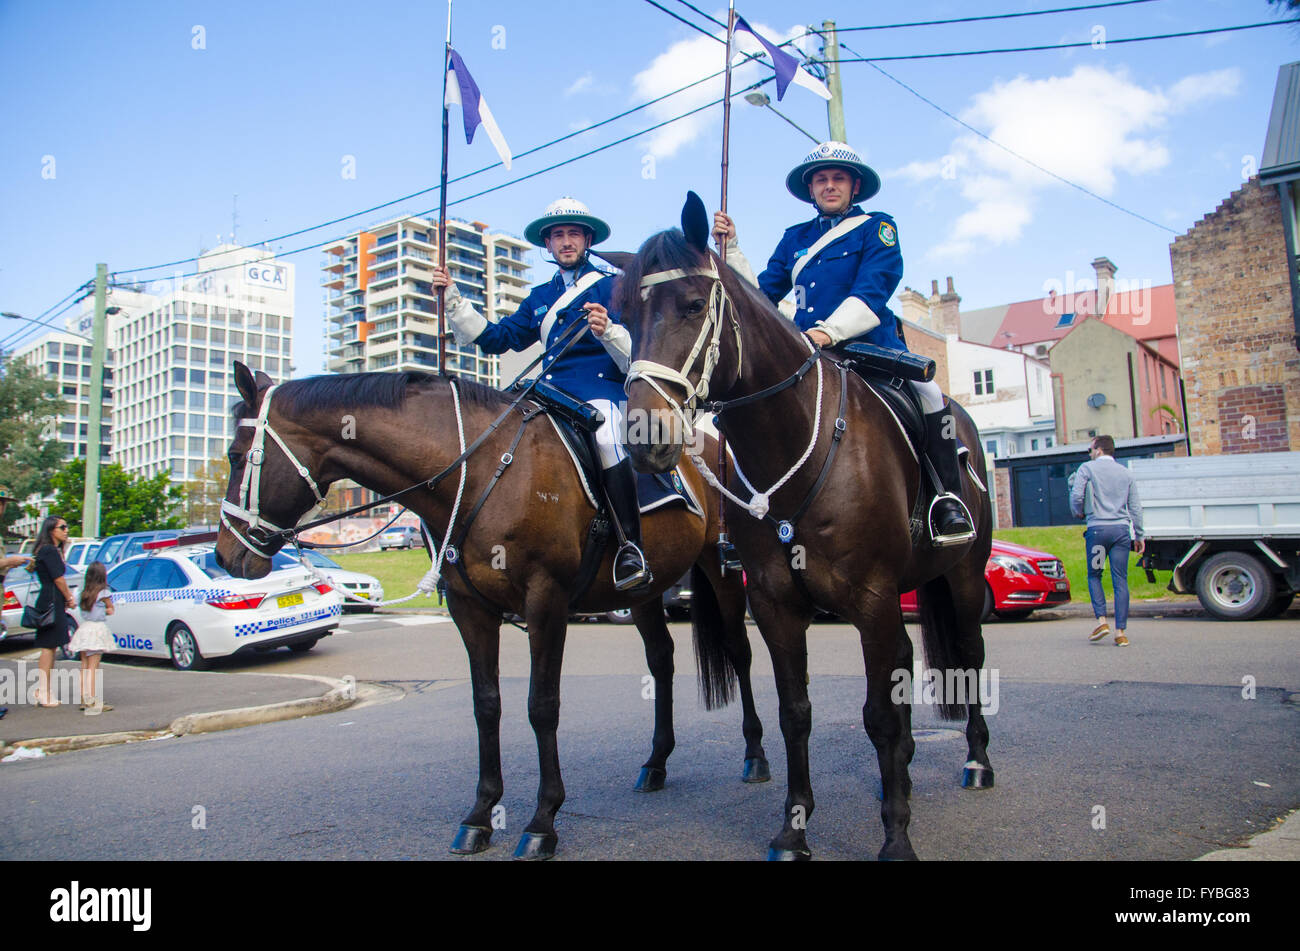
{"x":178,"y":603}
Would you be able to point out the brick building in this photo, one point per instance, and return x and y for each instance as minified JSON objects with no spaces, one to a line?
{"x":1235,"y":282}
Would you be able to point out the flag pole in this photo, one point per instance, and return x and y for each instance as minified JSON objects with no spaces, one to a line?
{"x":442,"y":207}
{"x":726,"y":553}
{"x":726,"y":119}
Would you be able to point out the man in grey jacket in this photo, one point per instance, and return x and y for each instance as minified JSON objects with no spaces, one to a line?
{"x":1114,"y":514}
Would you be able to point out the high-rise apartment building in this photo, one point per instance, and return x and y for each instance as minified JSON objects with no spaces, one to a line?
{"x":173,"y":362}
{"x":381,"y":309}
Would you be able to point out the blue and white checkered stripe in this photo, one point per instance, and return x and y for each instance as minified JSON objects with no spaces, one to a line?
{"x":275,"y":624}
{"x":176,"y":594}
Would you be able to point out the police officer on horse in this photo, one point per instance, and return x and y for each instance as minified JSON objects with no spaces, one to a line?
{"x":843,"y":266}
{"x":592,"y":369}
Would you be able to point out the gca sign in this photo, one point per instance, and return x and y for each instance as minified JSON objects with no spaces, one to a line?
{"x":267,"y":275}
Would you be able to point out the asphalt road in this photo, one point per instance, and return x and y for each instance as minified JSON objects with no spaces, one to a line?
{"x":1159,"y":735}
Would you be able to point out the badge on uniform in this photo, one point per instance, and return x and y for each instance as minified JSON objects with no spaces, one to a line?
{"x":677,"y":483}
{"x":541,"y":310}
{"x":800,"y":253}
{"x":888,"y":236}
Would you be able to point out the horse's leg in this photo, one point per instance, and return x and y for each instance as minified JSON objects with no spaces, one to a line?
{"x":480,"y":629}
{"x":728,"y":612}
{"x":905,"y":661}
{"x":786,"y":634}
{"x":649,"y":618}
{"x":887,"y":723}
{"x":547,"y":614}
{"x":968,"y":605}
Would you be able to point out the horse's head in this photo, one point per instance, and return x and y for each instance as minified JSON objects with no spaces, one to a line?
{"x":685,"y":341}
{"x":267,"y":492}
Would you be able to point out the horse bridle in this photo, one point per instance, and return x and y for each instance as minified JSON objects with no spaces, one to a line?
{"x":261,"y":530}
{"x":708,"y":342}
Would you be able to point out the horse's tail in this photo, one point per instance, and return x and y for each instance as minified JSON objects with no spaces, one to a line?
{"x":939,"y":639}
{"x":708,"y":627}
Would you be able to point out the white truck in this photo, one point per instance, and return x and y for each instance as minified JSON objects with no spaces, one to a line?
{"x":1227,"y":526}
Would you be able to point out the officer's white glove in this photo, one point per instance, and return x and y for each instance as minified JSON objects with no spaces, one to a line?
{"x":466,"y":322}
{"x":618,"y":344}
{"x":851,"y":319}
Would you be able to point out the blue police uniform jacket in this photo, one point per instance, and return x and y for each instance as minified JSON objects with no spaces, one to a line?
{"x":587,"y":371}
{"x":865,"y":263}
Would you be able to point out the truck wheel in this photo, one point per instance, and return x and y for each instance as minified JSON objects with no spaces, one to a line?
{"x":1235,"y":586}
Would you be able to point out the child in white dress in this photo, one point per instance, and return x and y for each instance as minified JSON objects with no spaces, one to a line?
{"x":92,"y":638}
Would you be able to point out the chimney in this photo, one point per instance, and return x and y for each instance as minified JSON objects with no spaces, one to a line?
{"x":914,"y":307}
{"x":1105,"y":271}
{"x":947,"y":317}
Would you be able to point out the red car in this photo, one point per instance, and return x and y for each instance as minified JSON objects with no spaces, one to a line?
{"x":1019,"y":579}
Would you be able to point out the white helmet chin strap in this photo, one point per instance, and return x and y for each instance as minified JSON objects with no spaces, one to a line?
{"x":250,"y":485}
{"x":708,"y":341}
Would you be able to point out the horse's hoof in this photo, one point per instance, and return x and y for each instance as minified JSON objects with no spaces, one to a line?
{"x":651,"y":779}
{"x":536,"y":846}
{"x":897,"y":851}
{"x":756,"y":770}
{"x":788,"y":855}
{"x":471,"y":840}
{"x":977,"y":776}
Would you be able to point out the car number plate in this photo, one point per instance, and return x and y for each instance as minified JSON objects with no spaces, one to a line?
{"x":288,"y":600}
{"x":360,"y":594}
{"x":1062,"y":586}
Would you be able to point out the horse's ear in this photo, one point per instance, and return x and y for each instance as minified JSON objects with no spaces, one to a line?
{"x":262,"y":380}
{"x":246,"y":385}
{"x":620,"y":259}
{"x":695,"y":223}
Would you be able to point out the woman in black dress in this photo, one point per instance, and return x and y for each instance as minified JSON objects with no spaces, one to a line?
{"x":54,"y":590}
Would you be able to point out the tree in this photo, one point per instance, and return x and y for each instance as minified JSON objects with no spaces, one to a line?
{"x":203,"y":493}
{"x":29,"y":451}
{"x":126,"y":503}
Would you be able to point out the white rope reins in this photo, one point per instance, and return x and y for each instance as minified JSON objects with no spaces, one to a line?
{"x":652,"y":372}
{"x":250,"y":489}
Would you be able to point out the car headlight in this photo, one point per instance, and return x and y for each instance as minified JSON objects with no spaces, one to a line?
{"x":1011,"y":563}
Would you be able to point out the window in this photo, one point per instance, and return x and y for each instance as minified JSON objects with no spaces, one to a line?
{"x":196,"y":401}
{"x":216,"y":402}
{"x":125,"y":577}
{"x":216,"y":424}
{"x":200,"y":334}
{"x":1033,"y":445}
{"x":1049,"y":442}
{"x":991,"y":447}
{"x":1066,"y":320}
{"x":196,"y":445}
{"x":983,"y":382}
{"x":178,"y":399}
{"x":1164,"y":391}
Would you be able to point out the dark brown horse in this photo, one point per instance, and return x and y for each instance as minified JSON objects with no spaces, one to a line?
{"x":702,"y":333}
{"x":388,"y":431}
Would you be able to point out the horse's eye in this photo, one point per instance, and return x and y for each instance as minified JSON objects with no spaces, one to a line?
{"x":696,"y":307}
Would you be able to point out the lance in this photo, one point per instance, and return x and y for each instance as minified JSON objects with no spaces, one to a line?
{"x":442,"y":207}
{"x":725,"y":550}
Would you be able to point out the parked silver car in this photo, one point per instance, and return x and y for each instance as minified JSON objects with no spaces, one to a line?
{"x":401,"y":536}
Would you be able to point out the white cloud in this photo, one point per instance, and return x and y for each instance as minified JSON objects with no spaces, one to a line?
{"x":1089,"y":127}
{"x":579,"y":84}
{"x":685,"y":62}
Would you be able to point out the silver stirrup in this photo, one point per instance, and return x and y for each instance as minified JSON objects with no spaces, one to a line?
{"x":948,"y":541}
{"x":640,"y":576}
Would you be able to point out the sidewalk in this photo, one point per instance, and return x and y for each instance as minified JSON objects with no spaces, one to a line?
{"x":150,"y":701}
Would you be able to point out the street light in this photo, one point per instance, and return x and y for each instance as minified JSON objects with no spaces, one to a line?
{"x":757,"y":98}
{"x":12,"y":316}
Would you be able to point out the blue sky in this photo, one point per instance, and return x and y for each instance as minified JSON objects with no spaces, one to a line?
{"x":152,"y":138}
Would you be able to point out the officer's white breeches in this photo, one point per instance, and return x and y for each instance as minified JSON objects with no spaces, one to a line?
{"x":930,"y":394}
{"x":609,"y":441}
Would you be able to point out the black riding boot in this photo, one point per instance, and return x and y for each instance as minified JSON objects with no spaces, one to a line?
{"x":949,"y":519}
{"x":631,"y":570}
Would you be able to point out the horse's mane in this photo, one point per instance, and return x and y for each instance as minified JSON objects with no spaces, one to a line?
{"x":351,"y":391}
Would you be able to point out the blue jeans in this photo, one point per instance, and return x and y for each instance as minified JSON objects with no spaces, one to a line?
{"x":1113,"y":542}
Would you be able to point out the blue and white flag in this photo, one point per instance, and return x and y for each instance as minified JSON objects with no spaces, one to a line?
{"x":462,"y":89}
{"x":787,"y":66}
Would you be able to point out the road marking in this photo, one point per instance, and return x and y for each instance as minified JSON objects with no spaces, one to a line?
{"x":404,"y":620}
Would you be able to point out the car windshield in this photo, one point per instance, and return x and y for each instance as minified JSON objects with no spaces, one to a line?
{"x":207,"y":562}
{"x":319,"y":560}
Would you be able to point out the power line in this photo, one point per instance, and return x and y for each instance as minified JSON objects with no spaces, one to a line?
{"x":43,"y":319}
{"x":434,"y":188}
{"x":513,"y":181}
{"x":1008,"y":150}
{"x":991,"y":16}
{"x":1068,"y":46}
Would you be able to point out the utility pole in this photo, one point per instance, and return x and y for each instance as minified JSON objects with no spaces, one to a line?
{"x":835,"y":107}
{"x":90,"y":502}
